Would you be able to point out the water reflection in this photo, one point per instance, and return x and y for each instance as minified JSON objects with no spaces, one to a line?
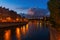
{"x":27,"y":28}
{"x":7,"y":35}
{"x":23,"y":30}
{"x":18,"y":34}
{"x":31,"y":31}
{"x":40,"y":25}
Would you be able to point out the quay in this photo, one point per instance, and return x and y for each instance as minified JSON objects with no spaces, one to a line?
{"x":11,"y":24}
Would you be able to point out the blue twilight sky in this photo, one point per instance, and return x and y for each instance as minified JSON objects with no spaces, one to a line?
{"x":23,"y":5}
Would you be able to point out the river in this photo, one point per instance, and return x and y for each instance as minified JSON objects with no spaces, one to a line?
{"x":32,"y":31}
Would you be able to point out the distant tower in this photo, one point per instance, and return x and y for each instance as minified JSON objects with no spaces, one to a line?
{"x":54,"y":7}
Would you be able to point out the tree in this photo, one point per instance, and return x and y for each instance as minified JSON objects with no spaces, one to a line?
{"x":54,"y":11}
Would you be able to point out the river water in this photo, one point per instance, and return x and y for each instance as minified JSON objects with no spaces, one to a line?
{"x":32,"y":31}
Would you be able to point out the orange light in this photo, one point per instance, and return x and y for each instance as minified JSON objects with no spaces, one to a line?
{"x":26,"y":27}
{"x":25,"y":20}
{"x":23,"y":30}
{"x":7,"y":35}
{"x":0,"y":18}
{"x":17,"y":19}
{"x":18,"y":33}
{"x":8,"y":18}
{"x":4,"y":20}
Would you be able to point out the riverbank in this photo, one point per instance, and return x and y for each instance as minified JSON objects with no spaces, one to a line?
{"x":9,"y":24}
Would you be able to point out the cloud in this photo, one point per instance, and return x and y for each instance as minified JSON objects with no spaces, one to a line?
{"x":38,"y":12}
{"x":22,"y":8}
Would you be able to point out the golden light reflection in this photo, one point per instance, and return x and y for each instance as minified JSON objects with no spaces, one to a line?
{"x":30,"y":23}
{"x":26,"y":27}
{"x":37,"y":24}
{"x":7,"y":35}
{"x":18,"y":35}
{"x":40,"y":24}
{"x":23,"y":30}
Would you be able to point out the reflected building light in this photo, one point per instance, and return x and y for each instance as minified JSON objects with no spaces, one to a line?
{"x":7,"y":35}
{"x":23,"y":30}
{"x":30,"y":23}
{"x":26,"y":27}
{"x":18,"y":34}
{"x":37,"y":23}
{"x":40,"y":24}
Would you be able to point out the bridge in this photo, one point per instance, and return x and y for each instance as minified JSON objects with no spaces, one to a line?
{"x":39,"y":19}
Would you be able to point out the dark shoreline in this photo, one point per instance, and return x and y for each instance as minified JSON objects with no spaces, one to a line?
{"x":11,"y":24}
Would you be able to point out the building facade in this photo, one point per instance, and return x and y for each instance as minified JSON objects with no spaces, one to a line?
{"x":8,"y":15}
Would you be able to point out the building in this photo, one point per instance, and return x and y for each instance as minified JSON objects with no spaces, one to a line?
{"x":6,"y":14}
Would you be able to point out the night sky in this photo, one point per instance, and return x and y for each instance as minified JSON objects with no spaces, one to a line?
{"x":17,"y":5}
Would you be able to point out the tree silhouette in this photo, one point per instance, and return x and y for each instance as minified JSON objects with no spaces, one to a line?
{"x":54,"y":11}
